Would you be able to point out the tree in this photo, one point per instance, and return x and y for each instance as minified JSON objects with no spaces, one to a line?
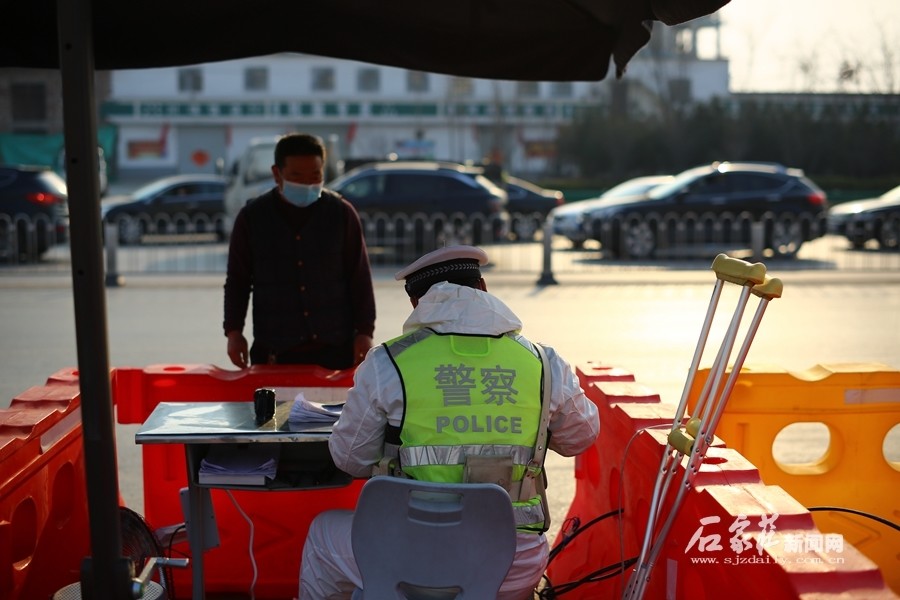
{"x":859,"y":139}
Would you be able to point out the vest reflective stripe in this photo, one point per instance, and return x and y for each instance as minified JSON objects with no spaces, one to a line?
{"x":423,"y":456}
{"x":468,"y":395}
{"x":399,"y":344}
{"x":529,"y":515}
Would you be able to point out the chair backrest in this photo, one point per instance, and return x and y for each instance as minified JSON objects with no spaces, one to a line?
{"x":418,"y":540}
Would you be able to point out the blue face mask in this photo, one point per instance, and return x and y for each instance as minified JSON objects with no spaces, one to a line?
{"x":299,"y":194}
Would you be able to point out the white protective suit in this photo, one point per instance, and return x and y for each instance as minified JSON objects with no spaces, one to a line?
{"x":328,"y":570}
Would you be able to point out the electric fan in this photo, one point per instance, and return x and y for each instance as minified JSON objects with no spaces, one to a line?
{"x":138,"y":544}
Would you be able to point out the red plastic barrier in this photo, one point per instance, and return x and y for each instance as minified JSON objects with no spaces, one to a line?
{"x":280,"y":519}
{"x":703,"y":557}
{"x":44,"y":531}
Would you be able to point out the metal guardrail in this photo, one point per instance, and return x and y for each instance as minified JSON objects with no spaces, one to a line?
{"x":26,"y":238}
{"x":394,"y":240}
{"x":662,"y":234}
{"x":145,"y":228}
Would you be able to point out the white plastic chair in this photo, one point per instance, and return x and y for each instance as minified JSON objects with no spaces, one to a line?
{"x":417,"y":540}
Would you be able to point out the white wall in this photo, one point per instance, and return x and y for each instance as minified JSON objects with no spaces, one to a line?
{"x":290,"y":79}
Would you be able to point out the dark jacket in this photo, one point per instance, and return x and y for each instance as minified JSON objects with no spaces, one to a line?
{"x":308,"y":271}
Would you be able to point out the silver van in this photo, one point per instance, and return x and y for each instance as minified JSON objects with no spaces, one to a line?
{"x":250,"y":176}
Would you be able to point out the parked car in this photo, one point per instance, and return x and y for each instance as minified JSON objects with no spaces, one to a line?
{"x":34,"y":211}
{"x":713,"y":208}
{"x":179,"y":204}
{"x":529,"y":205}
{"x":447,"y":199}
{"x":568,"y":219}
{"x":870,"y":219}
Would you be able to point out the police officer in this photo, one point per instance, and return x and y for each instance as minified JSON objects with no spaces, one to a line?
{"x":461,"y":377}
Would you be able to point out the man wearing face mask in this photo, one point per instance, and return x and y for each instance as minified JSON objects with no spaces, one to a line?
{"x":299,"y":249}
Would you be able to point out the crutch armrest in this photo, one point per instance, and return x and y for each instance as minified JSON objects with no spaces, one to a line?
{"x":735,"y":270}
{"x":681,"y":441}
{"x":768,"y":289}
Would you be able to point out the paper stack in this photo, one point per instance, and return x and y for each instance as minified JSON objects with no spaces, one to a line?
{"x":308,"y":411}
{"x":239,"y":464}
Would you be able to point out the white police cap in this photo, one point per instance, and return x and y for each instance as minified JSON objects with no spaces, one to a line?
{"x":443,"y":264}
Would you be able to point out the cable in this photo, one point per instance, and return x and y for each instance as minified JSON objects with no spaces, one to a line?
{"x":853,"y":511}
{"x":622,"y":465}
{"x":252,"y":558}
{"x":551,"y":591}
{"x":578,"y":530}
{"x":169,"y":551}
{"x":172,"y":540}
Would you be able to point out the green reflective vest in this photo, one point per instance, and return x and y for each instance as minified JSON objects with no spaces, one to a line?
{"x":467,"y":395}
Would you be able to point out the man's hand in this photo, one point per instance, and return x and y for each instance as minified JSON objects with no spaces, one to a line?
{"x":361,"y":346}
{"x":237,"y":349}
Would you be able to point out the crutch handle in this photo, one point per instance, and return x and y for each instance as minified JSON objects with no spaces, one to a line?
{"x":693,"y":426}
{"x":681,"y":441}
{"x":735,"y":270}
{"x":768,"y":289}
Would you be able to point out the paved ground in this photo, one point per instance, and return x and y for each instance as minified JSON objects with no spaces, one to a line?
{"x":647,"y":324}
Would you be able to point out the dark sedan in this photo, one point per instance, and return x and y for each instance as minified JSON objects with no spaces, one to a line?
{"x":529,"y":205}
{"x":871,"y":219}
{"x":425,"y":203}
{"x":713,"y":208}
{"x":176,"y":205}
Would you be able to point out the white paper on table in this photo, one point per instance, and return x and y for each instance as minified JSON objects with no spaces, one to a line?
{"x":309,"y":411}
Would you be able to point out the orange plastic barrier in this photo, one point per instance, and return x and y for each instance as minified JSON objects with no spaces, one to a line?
{"x":858,"y":403}
{"x":735,"y":537}
{"x":280,"y":518}
{"x":44,"y":530}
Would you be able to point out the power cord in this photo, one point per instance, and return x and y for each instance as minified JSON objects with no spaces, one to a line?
{"x":252,"y":557}
{"x":549,"y":590}
{"x":169,"y":548}
{"x":169,"y":551}
{"x":853,"y":511}
{"x":577,"y":530}
{"x":622,"y":466}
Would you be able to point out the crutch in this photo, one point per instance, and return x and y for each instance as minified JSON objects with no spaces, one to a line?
{"x":700,"y":432}
{"x":678,"y":444}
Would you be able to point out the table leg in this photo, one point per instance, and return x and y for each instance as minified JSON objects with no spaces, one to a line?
{"x":195,"y":526}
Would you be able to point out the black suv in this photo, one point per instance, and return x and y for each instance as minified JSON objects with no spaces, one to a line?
{"x":713,"y":208}
{"x":446,"y":200}
{"x":34,"y":211}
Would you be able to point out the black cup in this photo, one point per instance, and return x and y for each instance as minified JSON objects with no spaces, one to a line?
{"x":263,"y":405}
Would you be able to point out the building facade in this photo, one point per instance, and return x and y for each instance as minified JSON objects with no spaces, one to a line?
{"x":199,"y":118}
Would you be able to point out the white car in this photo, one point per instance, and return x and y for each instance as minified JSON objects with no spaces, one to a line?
{"x":568,"y":219}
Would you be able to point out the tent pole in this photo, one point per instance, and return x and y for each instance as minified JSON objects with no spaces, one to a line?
{"x":105,"y":574}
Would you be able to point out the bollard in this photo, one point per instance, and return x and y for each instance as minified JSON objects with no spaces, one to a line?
{"x":757,"y":239}
{"x":111,"y":243}
{"x":546,"y":277}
